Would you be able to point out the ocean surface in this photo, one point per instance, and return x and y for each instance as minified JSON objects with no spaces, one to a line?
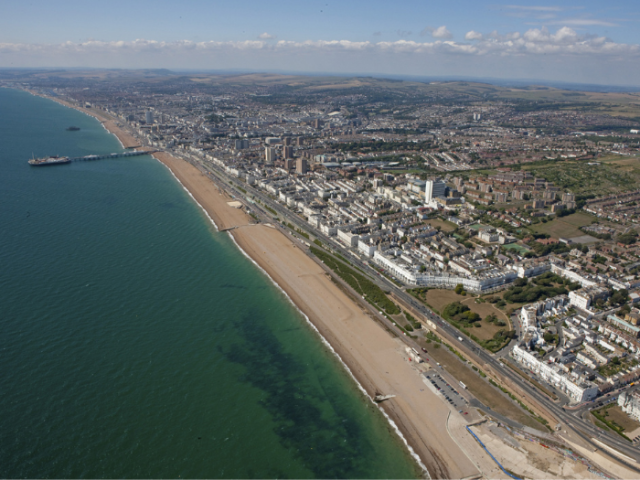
{"x":138,"y":342}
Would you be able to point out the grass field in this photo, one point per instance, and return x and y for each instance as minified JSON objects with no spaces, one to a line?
{"x":518,"y":248}
{"x":444,"y":225}
{"x":440,"y":298}
{"x":566,"y":227}
{"x":582,"y":178}
{"x":616,"y":415}
{"x":487,"y":329}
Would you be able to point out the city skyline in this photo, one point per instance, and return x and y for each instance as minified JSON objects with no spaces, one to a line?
{"x":580,"y":42}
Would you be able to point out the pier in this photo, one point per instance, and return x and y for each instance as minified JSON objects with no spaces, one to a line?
{"x":87,"y":158}
{"x":64,"y":160}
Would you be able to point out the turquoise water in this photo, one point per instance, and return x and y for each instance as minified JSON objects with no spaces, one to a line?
{"x":138,"y":342}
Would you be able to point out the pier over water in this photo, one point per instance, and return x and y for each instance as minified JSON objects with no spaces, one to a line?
{"x":86,"y":158}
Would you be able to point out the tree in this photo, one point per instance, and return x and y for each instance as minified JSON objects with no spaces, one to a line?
{"x":520,"y":282}
{"x":459,"y":289}
{"x":619,"y":297}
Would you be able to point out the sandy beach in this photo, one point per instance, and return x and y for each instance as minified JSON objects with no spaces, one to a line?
{"x":372,"y":355}
{"x":127,"y":140}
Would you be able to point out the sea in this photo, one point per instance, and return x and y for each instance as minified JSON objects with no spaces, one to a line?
{"x":136,"y":341}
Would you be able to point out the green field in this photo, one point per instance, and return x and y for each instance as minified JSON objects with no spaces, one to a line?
{"x":444,"y":225}
{"x":518,"y":248}
{"x":565,"y":227}
{"x":582,"y":178}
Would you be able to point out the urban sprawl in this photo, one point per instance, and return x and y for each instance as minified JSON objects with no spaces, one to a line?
{"x":525,"y":212}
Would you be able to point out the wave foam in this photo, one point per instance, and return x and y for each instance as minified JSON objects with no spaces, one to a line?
{"x":192,"y":197}
{"x":395,"y":428}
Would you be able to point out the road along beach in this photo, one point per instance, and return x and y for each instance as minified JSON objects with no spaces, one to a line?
{"x":371,"y":354}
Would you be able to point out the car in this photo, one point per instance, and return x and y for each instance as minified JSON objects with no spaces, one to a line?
{"x":466,"y":413}
{"x":424,"y":350}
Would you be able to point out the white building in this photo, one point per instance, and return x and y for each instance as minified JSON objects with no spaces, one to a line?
{"x":578,"y":392}
{"x":269,"y":155}
{"x":365,"y":248}
{"x":410,"y":274}
{"x":630,"y":403}
{"x":348,"y":238}
{"x":434,"y":189}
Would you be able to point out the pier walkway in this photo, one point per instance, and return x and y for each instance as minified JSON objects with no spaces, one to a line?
{"x":137,"y":153}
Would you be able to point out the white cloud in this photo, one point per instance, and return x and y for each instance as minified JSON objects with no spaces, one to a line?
{"x":534,"y":42}
{"x":582,"y":22}
{"x":441,"y":32}
{"x":266,"y":36}
{"x":472,"y":35}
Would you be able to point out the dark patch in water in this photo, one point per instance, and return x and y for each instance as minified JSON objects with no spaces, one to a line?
{"x":229,"y":285}
{"x":313,"y":422}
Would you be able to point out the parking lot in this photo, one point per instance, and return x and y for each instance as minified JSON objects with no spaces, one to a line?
{"x":449,"y":392}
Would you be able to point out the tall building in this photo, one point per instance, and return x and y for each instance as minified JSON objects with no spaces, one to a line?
{"x":269,"y":155}
{"x":433,"y":189}
{"x":288,"y":152}
{"x":301,"y":166}
{"x":242,"y":144}
{"x":289,"y":164}
{"x":286,"y":141}
{"x":300,"y":141}
{"x":148,"y":117}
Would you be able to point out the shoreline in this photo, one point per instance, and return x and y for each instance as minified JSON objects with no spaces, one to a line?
{"x":327,"y":344}
{"x":367,"y":394}
{"x":364,"y":349}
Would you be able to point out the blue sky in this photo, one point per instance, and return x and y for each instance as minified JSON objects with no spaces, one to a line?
{"x":580,"y":41}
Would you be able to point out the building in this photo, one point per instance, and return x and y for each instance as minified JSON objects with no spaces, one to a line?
{"x":242,"y":144}
{"x":286,"y":141}
{"x":269,"y":155}
{"x":301,"y":166}
{"x":148,"y":117}
{"x":488,"y":235}
{"x":289,"y":164}
{"x":568,"y":197}
{"x":433,"y":189}
{"x":622,"y":325}
{"x":584,"y":297}
{"x":288,"y":150}
{"x":578,"y":391}
{"x":630,"y":403}
{"x":348,"y":238}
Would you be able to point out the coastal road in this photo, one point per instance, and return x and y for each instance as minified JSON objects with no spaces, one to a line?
{"x":572,"y":425}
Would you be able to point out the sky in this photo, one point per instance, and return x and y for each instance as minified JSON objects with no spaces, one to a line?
{"x":590,"y":41}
